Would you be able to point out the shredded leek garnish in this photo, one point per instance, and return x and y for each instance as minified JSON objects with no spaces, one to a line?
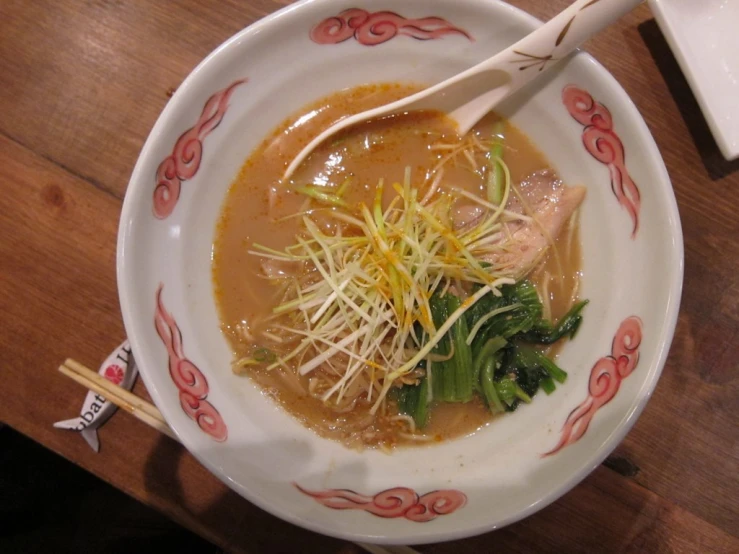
{"x":495,"y":177}
{"x":364,"y":291}
{"x":322,"y":196}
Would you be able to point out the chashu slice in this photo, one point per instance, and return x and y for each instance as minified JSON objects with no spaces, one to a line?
{"x":549,"y":201}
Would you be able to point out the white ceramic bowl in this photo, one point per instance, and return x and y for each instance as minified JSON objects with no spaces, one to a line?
{"x":632,"y":247}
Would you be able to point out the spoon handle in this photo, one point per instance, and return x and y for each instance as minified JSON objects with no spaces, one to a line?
{"x":523,"y":61}
{"x":566,"y":31}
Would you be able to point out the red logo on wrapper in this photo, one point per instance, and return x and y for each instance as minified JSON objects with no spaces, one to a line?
{"x":114,"y":374}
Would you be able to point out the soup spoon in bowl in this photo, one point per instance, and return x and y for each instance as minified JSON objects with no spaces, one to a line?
{"x":468,"y":96}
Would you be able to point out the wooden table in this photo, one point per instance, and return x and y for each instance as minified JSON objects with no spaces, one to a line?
{"x":81,"y":84}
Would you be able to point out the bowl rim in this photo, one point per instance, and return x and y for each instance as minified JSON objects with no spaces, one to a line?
{"x":594,"y":459}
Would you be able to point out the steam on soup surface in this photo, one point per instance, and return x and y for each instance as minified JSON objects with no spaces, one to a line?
{"x":407,"y":285}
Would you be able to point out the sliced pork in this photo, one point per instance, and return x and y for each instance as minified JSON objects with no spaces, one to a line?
{"x":548,"y":201}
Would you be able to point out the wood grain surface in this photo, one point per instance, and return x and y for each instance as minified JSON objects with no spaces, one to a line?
{"x":81,"y":84}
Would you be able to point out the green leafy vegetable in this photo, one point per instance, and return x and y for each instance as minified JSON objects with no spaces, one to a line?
{"x":554,"y":371}
{"x":510,"y":323}
{"x":264,"y":355}
{"x":452,"y":378}
{"x":506,"y":390}
{"x":491,"y":347}
{"x":413,"y":401}
{"x":547,"y":385}
{"x":546,"y":333}
{"x":527,"y":357}
{"x":496,"y":358}
{"x":487,"y":382}
{"x":521,"y":394}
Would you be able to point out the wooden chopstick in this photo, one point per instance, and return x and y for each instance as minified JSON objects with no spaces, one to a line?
{"x":137,"y":407}
{"x":148,"y":413}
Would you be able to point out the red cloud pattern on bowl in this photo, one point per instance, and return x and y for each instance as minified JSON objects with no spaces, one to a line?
{"x":189,"y":380}
{"x":605,"y":380}
{"x":602,"y":142}
{"x":372,"y":28}
{"x":392,"y":503}
{"x":184,"y":161}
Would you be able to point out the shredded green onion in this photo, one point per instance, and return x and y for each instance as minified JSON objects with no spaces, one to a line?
{"x":321,"y":196}
{"x":344,"y":186}
{"x":496,"y":175}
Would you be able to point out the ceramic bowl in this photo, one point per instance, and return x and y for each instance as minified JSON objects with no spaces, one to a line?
{"x":582,"y":120}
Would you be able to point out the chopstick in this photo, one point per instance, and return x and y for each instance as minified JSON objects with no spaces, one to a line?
{"x":137,"y":407}
{"x":148,"y":413}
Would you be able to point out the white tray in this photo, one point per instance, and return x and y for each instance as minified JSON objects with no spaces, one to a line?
{"x":704,"y":37}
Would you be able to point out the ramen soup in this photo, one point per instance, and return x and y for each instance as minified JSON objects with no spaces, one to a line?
{"x":407,"y":285}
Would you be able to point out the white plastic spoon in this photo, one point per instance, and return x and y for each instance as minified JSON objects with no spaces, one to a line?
{"x":469,"y":95}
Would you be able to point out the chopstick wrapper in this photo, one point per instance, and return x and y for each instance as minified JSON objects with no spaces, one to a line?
{"x":119,"y":368}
